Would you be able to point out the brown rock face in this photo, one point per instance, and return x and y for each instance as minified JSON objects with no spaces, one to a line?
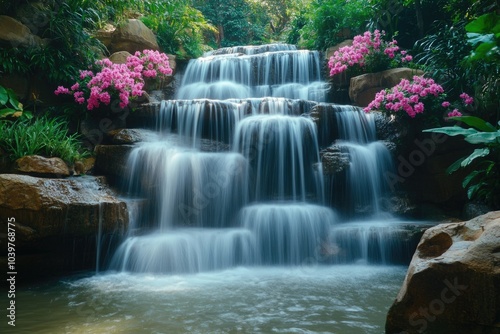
{"x":453,"y":282}
{"x":17,"y":34}
{"x":53,"y":207}
{"x":363,"y":88}
{"x":133,"y":36}
{"x":41,"y":166}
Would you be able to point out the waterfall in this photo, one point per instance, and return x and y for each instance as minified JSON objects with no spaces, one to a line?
{"x":259,"y":199}
{"x":283,"y":72}
{"x":281,"y":151}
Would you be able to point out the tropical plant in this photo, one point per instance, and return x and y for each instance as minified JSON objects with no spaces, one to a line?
{"x":483,"y":35}
{"x":441,"y":54}
{"x":329,"y":22}
{"x":233,"y":21}
{"x":483,"y":183}
{"x":179,"y":26}
{"x":41,"y":136}
{"x":9,"y":105}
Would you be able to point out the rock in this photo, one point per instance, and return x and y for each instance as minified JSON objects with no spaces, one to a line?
{"x":17,"y":34}
{"x":363,"y":88}
{"x":55,"y":207}
{"x":111,"y":160}
{"x":474,"y":209}
{"x":334,"y":160}
{"x":399,"y":204}
{"x":133,"y":36}
{"x":331,"y":50}
{"x":453,"y":281}
{"x":105,"y":35}
{"x":132,"y":136}
{"x":120,"y":57}
{"x":42,"y":166}
{"x":84,"y":166}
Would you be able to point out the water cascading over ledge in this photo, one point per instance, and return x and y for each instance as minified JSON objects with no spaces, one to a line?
{"x":261,"y":201}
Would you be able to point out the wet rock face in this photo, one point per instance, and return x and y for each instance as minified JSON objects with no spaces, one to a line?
{"x":57,"y":207}
{"x":453,"y":281}
{"x":334,"y":160}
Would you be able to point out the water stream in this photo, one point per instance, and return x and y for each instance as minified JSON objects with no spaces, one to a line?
{"x":241,"y":240}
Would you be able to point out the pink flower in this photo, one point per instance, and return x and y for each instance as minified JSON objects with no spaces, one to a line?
{"x":466,"y":99}
{"x":455,"y":113}
{"x":61,"y":90}
{"x":445,"y":104}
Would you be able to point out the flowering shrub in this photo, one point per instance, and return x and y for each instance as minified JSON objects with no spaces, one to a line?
{"x":117,"y":81}
{"x":151,"y":64}
{"x":413,"y":97}
{"x":368,"y":53}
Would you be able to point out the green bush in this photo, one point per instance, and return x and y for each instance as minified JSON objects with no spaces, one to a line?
{"x":41,"y":136}
{"x":329,"y":22}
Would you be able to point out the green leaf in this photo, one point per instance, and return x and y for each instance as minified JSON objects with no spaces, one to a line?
{"x":475,"y":122}
{"x":470,"y":177}
{"x":484,"y":24}
{"x":455,"y":166}
{"x":4,"y":96}
{"x":483,"y":137}
{"x":478,"y":153}
{"x":453,"y":131}
{"x":472,"y":190}
{"x":7,"y":112}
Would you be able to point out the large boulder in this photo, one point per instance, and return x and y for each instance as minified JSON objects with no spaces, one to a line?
{"x":54,"y":207}
{"x":16,"y":33}
{"x":132,"y":36}
{"x":363,"y":88}
{"x":453,"y":281}
{"x":59,"y":225}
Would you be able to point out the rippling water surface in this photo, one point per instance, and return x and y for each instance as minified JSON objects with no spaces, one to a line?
{"x":317,"y":299}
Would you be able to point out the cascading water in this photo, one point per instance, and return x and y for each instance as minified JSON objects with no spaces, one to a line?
{"x":230,"y":214}
{"x":262,"y":202}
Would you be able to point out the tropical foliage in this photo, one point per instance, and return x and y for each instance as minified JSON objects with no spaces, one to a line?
{"x":483,"y":182}
{"x":42,"y":136}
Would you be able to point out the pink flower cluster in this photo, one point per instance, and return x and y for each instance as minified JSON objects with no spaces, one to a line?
{"x":151,"y":64}
{"x":363,"y":47}
{"x":412,"y":97}
{"x":122,"y":81}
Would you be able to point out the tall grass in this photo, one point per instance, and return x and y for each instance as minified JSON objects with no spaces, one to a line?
{"x":42,"y":136}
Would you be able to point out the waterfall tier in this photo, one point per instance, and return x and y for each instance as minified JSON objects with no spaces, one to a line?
{"x":293,"y":74}
{"x":188,"y":187}
{"x":282,"y":151}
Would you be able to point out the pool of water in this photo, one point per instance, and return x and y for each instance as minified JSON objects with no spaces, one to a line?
{"x":318,"y":299}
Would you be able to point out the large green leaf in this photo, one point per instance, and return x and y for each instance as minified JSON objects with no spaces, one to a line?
{"x":4,"y":96}
{"x":484,"y":24}
{"x":475,"y":122}
{"x":478,"y":153}
{"x":7,"y":112}
{"x":453,"y":131}
{"x":483,"y":137}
